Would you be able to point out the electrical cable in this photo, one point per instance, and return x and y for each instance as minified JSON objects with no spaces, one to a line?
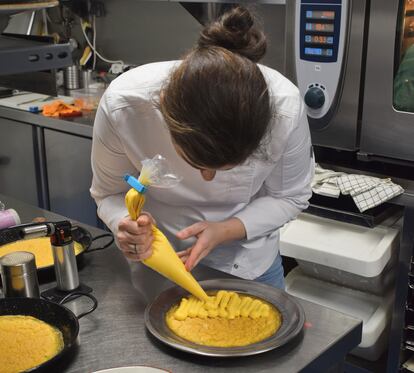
{"x":44,"y":18}
{"x":49,"y":19}
{"x":94,"y":49}
{"x":94,"y":40}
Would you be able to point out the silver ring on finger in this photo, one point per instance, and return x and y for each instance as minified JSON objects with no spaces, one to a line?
{"x":133,"y":248}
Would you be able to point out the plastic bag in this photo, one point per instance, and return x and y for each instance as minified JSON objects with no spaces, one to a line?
{"x":157,"y":173}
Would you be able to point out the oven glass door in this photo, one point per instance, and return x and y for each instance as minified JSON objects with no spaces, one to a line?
{"x":387,"y":129}
{"x":404,"y":59}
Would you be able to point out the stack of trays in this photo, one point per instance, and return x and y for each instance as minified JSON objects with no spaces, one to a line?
{"x":348,"y":268}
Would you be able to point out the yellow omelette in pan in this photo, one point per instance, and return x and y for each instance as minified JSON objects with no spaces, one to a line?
{"x":40,"y":247}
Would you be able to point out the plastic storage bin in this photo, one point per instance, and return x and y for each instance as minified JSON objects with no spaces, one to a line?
{"x":350,"y":255}
{"x":374,"y":311}
{"x":87,"y":98}
{"x":376,"y":285}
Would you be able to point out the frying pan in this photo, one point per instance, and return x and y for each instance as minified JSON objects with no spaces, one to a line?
{"x":55,"y":315}
{"x":293,"y":318}
{"x":83,"y":240}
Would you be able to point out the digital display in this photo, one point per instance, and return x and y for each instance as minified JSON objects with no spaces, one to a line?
{"x":322,"y":2}
{"x":319,"y":39}
{"x":323,"y":27}
{"x":320,"y":27}
{"x":320,"y":14}
{"x":325,"y":52}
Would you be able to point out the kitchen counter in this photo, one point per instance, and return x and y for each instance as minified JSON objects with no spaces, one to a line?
{"x":81,"y":126}
{"x":115,"y":335}
{"x":52,"y":152}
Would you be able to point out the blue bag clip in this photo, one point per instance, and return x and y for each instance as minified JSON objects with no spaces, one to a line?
{"x":134,"y":183}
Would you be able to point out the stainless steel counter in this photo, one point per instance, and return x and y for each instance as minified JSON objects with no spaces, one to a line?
{"x":81,"y":126}
{"x":115,"y":334}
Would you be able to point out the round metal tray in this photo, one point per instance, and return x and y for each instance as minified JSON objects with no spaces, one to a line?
{"x":293,"y":318}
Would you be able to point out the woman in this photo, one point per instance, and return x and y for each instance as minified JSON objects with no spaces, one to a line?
{"x":234,"y":130}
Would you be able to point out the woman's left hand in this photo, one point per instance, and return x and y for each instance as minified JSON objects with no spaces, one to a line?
{"x":209,"y":235}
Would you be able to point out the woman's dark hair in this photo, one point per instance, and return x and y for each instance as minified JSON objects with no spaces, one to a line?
{"x":216,"y":103}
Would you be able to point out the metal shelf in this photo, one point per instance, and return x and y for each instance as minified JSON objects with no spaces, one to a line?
{"x":401,"y":292}
{"x":20,"y":54}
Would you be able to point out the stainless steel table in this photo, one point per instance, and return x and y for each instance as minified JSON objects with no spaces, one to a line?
{"x":115,"y":335}
{"x":80,"y":126}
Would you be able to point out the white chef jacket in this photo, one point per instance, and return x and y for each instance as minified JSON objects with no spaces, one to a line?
{"x":265,"y":192}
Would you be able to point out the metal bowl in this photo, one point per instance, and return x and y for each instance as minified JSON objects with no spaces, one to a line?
{"x":293,"y":318}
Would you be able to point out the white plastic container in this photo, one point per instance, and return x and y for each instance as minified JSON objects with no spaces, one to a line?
{"x":9,"y":218}
{"x":347,"y":254}
{"x":374,"y":311}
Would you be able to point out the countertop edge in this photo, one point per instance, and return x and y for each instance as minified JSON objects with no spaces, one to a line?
{"x":62,"y":125}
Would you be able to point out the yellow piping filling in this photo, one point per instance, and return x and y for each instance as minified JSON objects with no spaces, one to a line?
{"x":164,"y":259}
{"x":227,"y":319}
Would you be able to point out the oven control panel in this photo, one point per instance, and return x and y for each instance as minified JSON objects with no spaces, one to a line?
{"x":320,"y":31}
{"x":320,"y":26}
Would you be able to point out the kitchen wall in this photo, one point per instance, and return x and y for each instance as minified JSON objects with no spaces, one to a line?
{"x":139,"y":32}
{"x":273,"y":19}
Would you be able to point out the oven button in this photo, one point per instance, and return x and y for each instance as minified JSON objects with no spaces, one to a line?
{"x":314,"y":98}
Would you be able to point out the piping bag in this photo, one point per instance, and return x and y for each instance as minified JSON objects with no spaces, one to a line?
{"x":164,"y":259}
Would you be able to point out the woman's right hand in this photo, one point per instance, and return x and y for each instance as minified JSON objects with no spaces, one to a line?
{"x":135,"y":237}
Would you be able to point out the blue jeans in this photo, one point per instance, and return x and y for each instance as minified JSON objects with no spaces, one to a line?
{"x":274,"y":276}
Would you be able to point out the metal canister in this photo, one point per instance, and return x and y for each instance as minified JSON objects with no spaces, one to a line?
{"x":19,"y":275}
{"x":72,"y":76}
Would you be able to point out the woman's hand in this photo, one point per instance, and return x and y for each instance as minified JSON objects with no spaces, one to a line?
{"x":209,"y":235}
{"x":135,"y":237}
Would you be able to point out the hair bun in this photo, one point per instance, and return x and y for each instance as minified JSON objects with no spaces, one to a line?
{"x":236,"y":31}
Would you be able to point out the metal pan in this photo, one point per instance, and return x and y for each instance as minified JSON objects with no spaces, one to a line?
{"x":293,"y":318}
{"x":83,"y":241}
{"x":52,"y":313}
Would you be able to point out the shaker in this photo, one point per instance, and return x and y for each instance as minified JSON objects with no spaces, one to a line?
{"x":19,"y":275}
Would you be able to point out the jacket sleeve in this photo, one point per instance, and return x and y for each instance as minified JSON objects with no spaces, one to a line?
{"x":109,"y":164}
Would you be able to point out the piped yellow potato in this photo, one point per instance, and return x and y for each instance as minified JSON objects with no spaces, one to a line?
{"x":227,"y":319}
{"x":225,"y":304}
{"x":164,"y":259}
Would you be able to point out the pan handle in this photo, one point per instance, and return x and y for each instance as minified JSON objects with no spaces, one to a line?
{"x":109,"y":243}
{"x":80,"y":293}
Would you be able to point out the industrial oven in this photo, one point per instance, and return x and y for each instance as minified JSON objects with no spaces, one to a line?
{"x":353,"y":61}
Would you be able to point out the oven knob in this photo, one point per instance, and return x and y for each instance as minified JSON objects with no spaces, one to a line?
{"x":314,"y":98}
